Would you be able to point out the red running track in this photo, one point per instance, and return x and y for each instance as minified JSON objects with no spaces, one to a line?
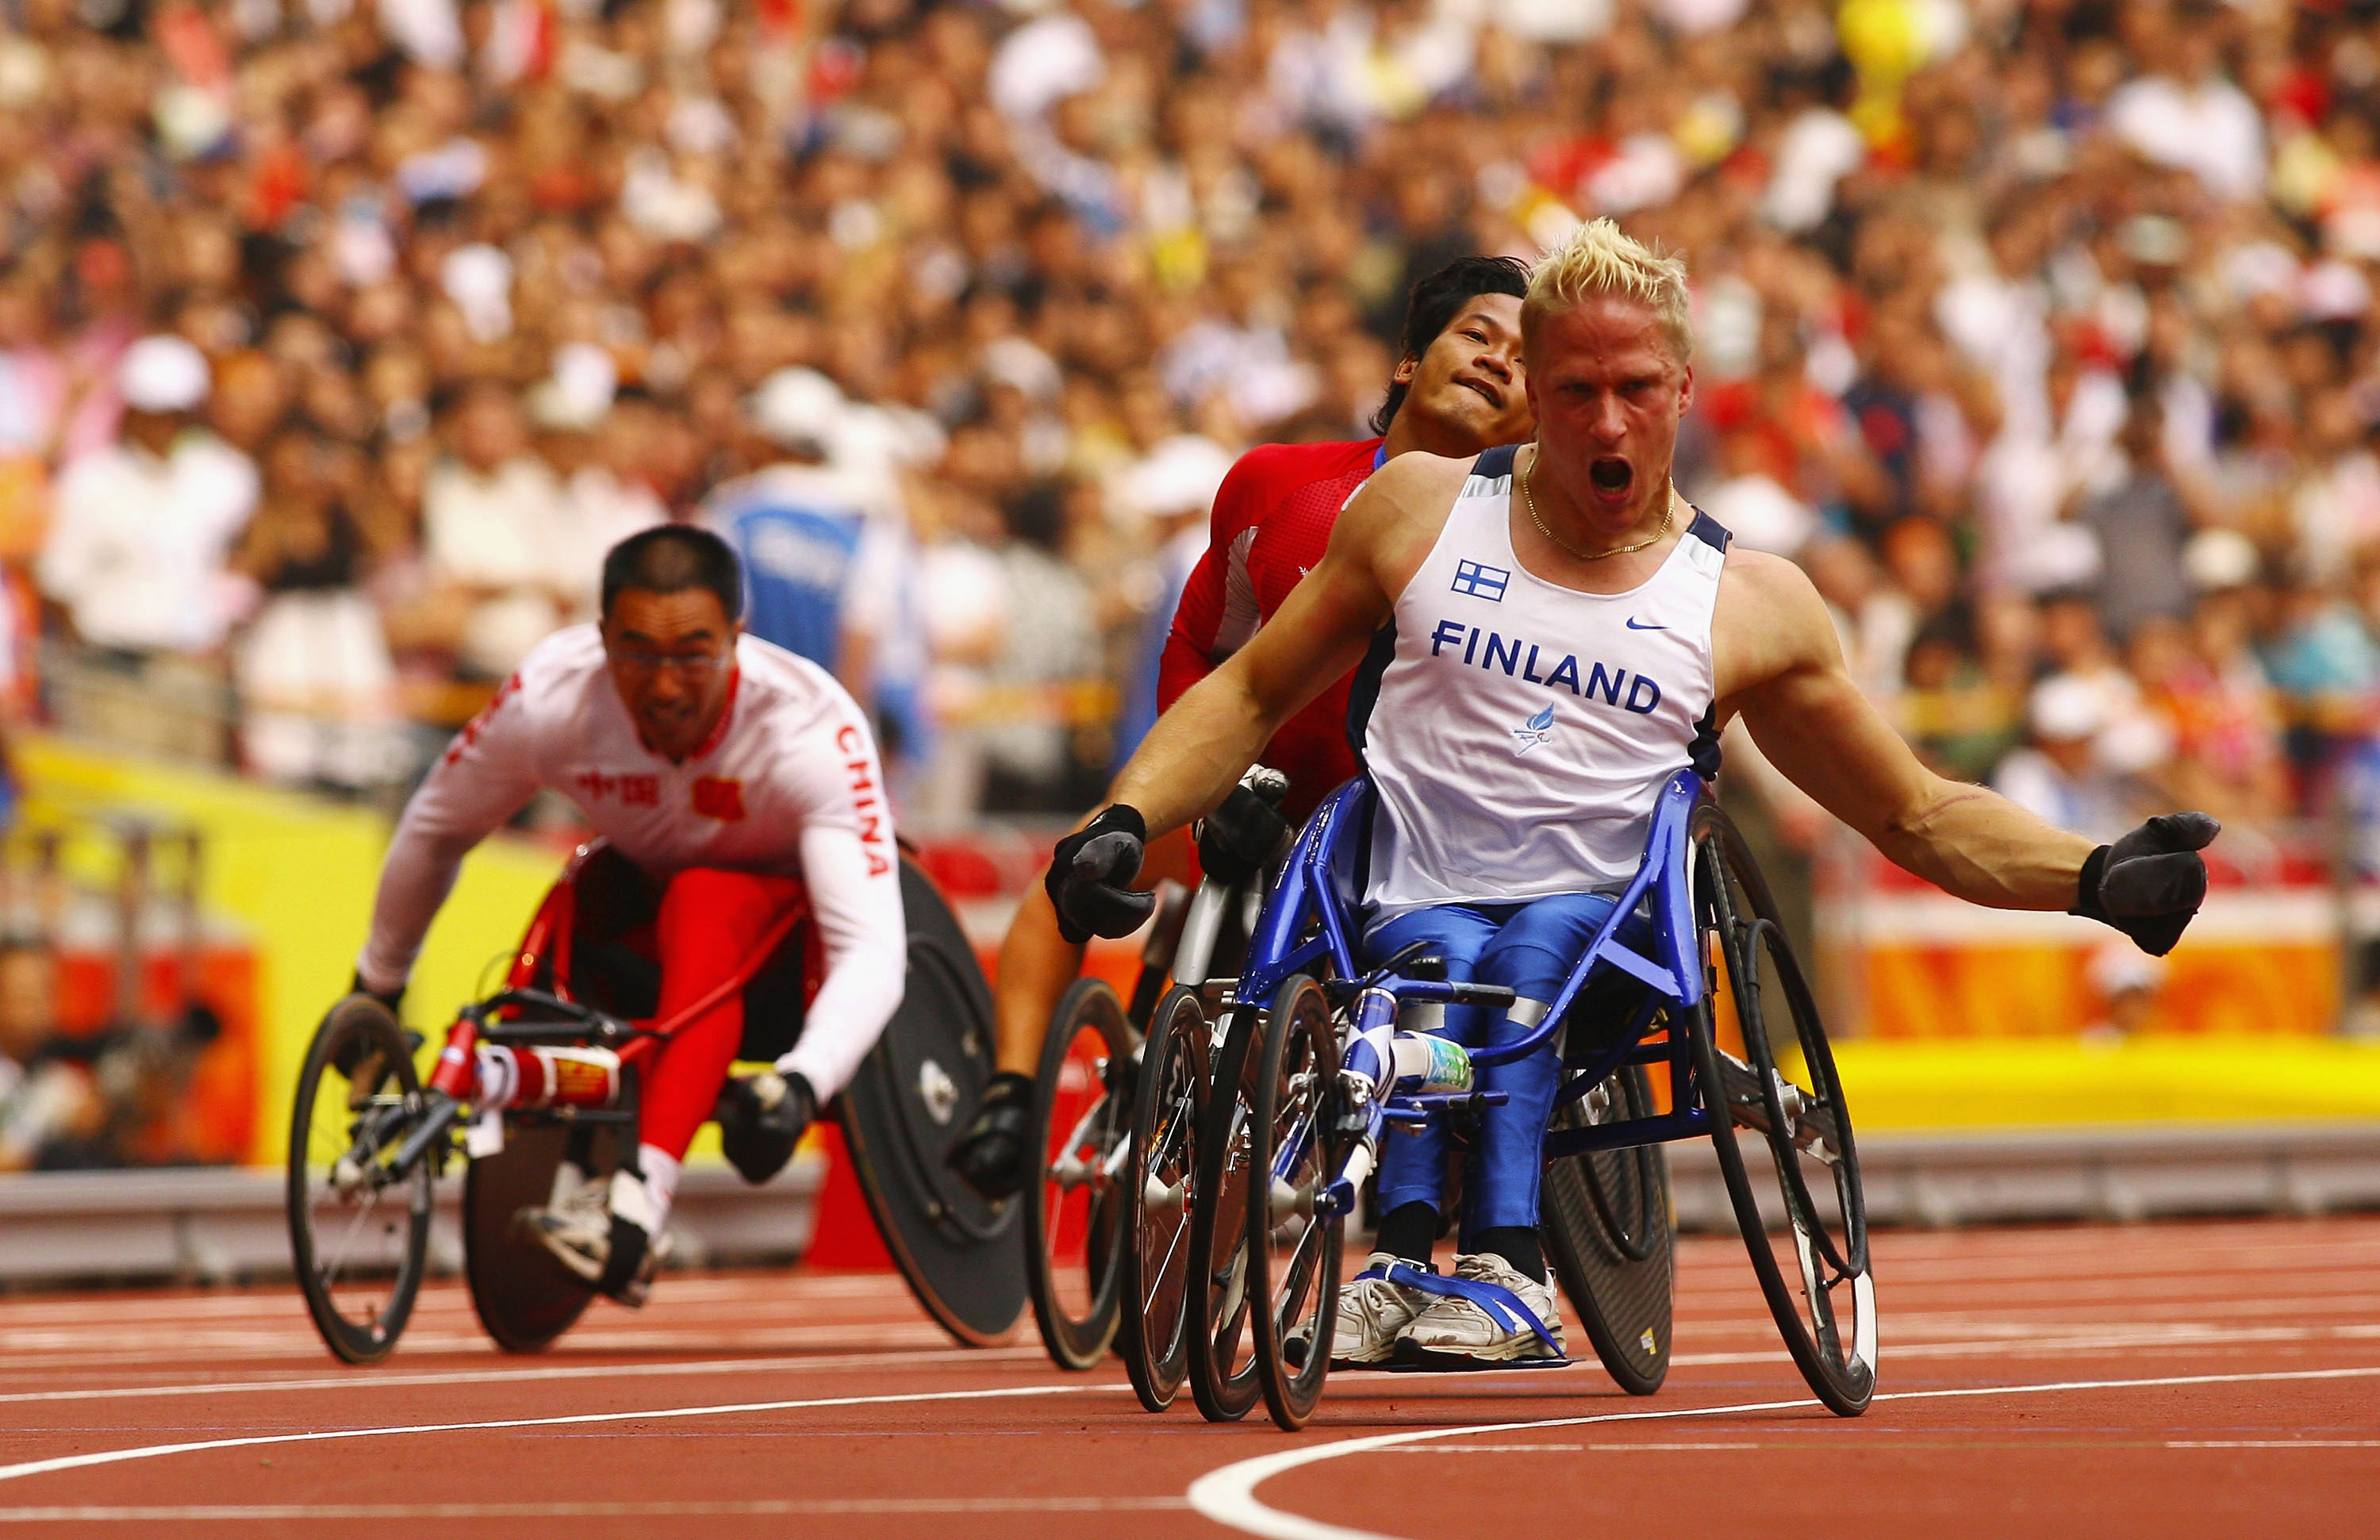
{"x":2217,"y":1379}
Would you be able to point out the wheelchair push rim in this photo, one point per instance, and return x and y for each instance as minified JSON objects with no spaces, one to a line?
{"x":1783,"y":1101}
{"x":359,"y":1232}
{"x":1074,"y":1216}
{"x":1292,"y":1251}
{"x":1222,"y":1349}
{"x":1160,"y":1178}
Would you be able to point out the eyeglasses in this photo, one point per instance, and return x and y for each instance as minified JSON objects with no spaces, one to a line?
{"x":644,"y":661}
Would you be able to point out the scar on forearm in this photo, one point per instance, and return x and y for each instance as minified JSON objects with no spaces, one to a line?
{"x":1958,"y":795}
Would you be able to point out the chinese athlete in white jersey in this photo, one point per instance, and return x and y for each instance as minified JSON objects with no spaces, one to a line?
{"x":737,"y":778}
{"x":1555,"y":631}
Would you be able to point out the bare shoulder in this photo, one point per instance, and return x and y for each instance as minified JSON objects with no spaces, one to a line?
{"x":1759,"y":589}
{"x":1768,"y":621}
{"x":1395,"y":517}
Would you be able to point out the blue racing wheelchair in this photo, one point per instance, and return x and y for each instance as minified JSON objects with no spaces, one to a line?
{"x":1314,"y":1069}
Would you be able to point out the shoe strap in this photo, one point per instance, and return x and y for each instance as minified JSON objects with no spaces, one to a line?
{"x":1499,"y":1304}
{"x":1382,"y":1269}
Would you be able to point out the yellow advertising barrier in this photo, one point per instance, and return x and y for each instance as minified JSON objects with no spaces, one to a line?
{"x":1971,"y":1018}
{"x":298,"y":872}
{"x":2014,"y":1082}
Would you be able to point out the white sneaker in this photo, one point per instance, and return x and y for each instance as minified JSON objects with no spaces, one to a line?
{"x":576,"y":1232}
{"x":1456,"y":1333}
{"x":1371,"y":1312}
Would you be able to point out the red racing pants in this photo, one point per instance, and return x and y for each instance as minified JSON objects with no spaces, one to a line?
{"x":709,"y":924}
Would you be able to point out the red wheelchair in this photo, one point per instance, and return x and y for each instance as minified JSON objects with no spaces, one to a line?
{"x":371,"y":1134}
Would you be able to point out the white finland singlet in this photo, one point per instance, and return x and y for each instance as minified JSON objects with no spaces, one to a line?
{"x":1518,"y":732}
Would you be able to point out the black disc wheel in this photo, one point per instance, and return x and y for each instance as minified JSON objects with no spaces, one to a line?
{"x":522,"y":1294}
{"x":359,"y":1227}
{"x":1783,"y":1134}
{"x":1223,"y":1349}
{"x":1608,"y":1233}
{"x":1292,"y":1251}
{"x":1168,"y":1095}
{"x":1073,"y":1214}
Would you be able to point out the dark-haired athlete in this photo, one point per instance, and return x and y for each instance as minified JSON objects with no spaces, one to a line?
{"x":1457,"y":390}
{"x":737,"y":778}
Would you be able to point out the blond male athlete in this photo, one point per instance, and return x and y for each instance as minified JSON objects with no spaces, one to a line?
{"x":1545,"y":635}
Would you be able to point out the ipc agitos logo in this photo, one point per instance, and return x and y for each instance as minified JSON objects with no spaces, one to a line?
{"x":1538,"y":728}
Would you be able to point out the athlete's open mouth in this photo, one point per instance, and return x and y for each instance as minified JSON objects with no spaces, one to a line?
{"x":1612,"y":475}
{"x":1494,"y":397}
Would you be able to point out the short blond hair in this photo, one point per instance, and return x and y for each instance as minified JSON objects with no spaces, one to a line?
{"x":1599,"y":258}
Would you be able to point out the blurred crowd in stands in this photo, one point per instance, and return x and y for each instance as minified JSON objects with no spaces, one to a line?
{"x":339,"y":338}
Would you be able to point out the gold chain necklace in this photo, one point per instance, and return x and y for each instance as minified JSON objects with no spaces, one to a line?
{"x":1669,"y":514}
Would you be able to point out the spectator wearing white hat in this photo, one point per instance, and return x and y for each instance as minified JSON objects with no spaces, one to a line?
{"x":136,"y":553}
{"x":1174,"y":490}
{"x":829,"y":567}
{"x":492,"y":522}
{"x":597,"y":450}
{"x":2075,"y":772}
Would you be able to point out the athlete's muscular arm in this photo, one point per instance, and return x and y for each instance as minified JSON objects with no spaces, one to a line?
{"x":1779,"y":663}
{"x":485,"y":776}
{"x":1198,"y":750}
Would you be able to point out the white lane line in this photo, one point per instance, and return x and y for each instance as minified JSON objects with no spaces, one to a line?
{"x":1557,"y":1448}
{"x":2272,"y":1443}
{"x":664,"y":1413}
{"x":1228,"y":1495}
{"x":2026,"y":1341}
{"x":2017,"y":1341}
{"x":989,"y":1357}
{"x":1488,"y":1448}
{"x":262,"y":1512}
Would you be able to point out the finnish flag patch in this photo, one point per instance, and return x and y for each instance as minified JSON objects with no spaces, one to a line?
{"x":1481,"y":581}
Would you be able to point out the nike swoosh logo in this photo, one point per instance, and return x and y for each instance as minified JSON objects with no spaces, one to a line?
{"x":1635,"y":624}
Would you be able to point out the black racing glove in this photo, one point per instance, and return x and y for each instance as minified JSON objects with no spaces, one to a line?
{"x":2149,"y":883}
{"x":989,"y":1153}
{"x":393,"y":998}
{"x":1090,"y":877}
{"x":761,"y":1121}
{"x":348,"y":1057}
{"x":1237,"y":839}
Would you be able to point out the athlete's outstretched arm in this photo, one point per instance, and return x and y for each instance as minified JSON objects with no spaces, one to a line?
{"x":1784,"y":668}
{"x":1198,"y":750}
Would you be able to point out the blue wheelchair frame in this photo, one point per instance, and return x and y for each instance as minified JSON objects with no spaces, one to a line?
{"x":1306,"y":927}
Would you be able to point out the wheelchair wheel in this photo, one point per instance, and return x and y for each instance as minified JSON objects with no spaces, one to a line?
{"x":1294,"y":1254}
{"x":1223,"y":1351}
{"x":358,"y":1235}
{"x":1071,"y":1210}
{"x":521,"y":1295}
{"x":1608,"y":1233}
{"x":1170,"y":1095}
{"x":1785,"y":1096}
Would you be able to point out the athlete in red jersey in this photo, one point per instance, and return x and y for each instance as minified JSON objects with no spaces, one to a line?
{"x":1272,"y":517}
{"x":1456,"y":391}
